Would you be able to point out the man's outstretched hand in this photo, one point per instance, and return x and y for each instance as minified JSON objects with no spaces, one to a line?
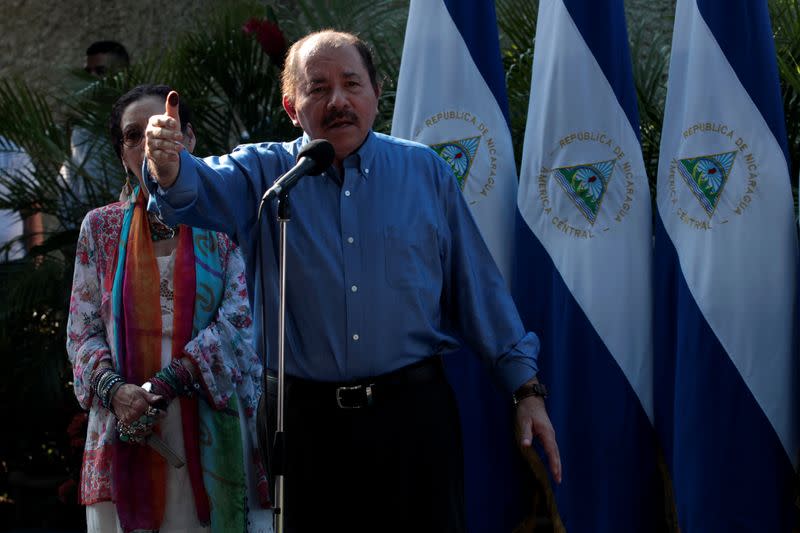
{"x":164,"y":142}
{"x":533,"y":423}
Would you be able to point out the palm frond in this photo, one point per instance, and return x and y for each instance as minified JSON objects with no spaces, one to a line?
{"x":230,"y":82}
{"x":517,"y":22}
{"x":786,"y":29}
{"x":650,"y":62}
{"x":26,"y":120}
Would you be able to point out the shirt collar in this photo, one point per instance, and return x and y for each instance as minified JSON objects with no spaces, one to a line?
{"x":361,"y":158}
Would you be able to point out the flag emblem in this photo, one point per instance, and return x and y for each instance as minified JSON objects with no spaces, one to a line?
{"x":586,"y":185}
{"x":459,"y":155}
{"x":467,"y":143}
{"x":731,"y":167}
{"x":593,"y":172}
{"x":706,"y":177}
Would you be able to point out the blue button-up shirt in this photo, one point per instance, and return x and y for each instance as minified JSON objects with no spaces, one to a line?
{"x":385,"y":265}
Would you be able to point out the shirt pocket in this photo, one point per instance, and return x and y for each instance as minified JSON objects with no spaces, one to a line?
{"x":412,"y":256}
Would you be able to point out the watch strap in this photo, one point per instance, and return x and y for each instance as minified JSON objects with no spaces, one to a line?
{"x":530,"y":389}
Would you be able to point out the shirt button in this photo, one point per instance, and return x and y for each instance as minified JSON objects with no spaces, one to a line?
{"x":347,"y":193}
{"x":354,"y":288}
{"x":355,"y":337}
{"x":351,"y":240}
{"x":366,"y":171}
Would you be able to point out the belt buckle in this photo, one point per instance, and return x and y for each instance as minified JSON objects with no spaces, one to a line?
{"x":367,"y":391}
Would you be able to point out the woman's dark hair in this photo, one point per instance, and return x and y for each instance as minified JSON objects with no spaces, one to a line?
{"x":134,"y":95}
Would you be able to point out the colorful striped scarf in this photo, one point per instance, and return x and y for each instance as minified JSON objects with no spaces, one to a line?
{"x":212,"y":439}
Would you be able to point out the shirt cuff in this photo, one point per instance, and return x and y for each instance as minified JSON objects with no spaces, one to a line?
{"x":519,"y":365}
{"x":166,"y":202}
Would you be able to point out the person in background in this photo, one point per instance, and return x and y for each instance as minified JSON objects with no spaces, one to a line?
{"x":387,"y":271}
{"x":160,"y":340}
{"x":90,"y":152}
{"x":19,"y":231}
{"x":105,"y":58}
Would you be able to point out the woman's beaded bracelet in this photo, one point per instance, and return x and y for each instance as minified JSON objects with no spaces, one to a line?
{"x":105,"y":382}
{"x":174,"y":380}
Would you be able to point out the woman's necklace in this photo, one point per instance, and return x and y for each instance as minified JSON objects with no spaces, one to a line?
{"x":160,"y":231}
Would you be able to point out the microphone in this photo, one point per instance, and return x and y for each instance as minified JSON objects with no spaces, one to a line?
{"x":312,"y":160}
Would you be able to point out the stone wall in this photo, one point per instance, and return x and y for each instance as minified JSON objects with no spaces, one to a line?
{"x":40,"y":40}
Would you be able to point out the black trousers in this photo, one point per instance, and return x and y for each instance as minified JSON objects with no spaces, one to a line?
{"x":395,"y":465}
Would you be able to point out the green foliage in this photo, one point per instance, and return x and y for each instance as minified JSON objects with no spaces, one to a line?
{"x":650,"y":62}
{"x":516,"y":20}
{"x":786,"y":28}
{"x":229,"y":81}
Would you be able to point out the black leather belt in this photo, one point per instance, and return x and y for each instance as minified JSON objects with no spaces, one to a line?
{"x":364,"y":393}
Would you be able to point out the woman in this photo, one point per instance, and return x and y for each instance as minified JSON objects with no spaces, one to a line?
{"x":160,"y":341}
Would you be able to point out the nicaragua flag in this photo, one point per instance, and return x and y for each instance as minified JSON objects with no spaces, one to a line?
{"x":451,"y":96}
{"x":726,"y":275}
{"x":583,"y":277}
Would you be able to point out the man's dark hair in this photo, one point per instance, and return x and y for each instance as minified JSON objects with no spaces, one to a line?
{"x":134,"y":95}
{"x":109,"y":47}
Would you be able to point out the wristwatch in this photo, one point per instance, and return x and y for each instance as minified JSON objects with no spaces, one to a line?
{"x":529,"y":389}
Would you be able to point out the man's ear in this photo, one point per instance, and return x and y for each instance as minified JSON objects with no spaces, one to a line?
{"x":189,"y":140}
{"x":288,"y":106}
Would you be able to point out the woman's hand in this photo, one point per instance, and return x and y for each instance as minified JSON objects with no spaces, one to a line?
{"x":136,"y":412}
{"x":130,"y":403}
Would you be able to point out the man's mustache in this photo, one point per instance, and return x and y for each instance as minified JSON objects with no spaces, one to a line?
{"x":347,"y":115}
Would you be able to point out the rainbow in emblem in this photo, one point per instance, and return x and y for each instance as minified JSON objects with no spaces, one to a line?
{"x":586,"y":185}
{"x":706,"y":176}
{"x":459,"y":155}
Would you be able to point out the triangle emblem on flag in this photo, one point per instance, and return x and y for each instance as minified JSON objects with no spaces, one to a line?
{"x":459,"y":155}
{"x":586,"y":185}
{"x":706,"y":177}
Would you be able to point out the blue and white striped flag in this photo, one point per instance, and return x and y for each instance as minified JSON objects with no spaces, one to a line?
{"x":451,"y":96}
{"x":583,"y":277}
{"x":726,"y":275}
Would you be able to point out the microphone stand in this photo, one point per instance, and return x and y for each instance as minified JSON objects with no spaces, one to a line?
{"x":314,"y":156}
{"x":279,"y":448}
{"x":277,"y":459}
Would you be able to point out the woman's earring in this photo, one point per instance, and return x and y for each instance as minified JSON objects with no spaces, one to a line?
{"x":126,"y":194}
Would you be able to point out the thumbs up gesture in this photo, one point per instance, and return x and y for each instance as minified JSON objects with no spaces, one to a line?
{"x":164,"y":142}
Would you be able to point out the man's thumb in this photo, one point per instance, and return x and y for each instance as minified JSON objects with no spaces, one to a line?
{"x":172,"y":106}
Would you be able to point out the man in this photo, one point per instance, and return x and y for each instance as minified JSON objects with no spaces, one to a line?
{"x":91,"y":154}
{"x":105,"y":57}
{"x":386,"y":271}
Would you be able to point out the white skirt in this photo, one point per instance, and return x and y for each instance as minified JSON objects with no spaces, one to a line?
{"x":180,"y":514}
